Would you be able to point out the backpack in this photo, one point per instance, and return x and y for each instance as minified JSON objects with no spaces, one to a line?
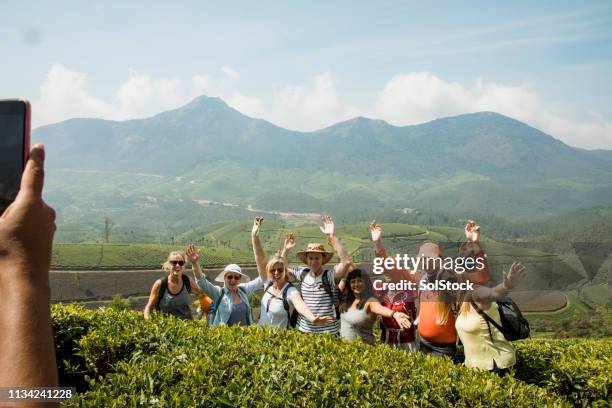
{"x":290,"y":321}
{"x":513,"y":325}
{"x":328,"y":289}
{"x":164,"y":287}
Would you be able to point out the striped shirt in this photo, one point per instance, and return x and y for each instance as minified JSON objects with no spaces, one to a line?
{"x":318,"y":301}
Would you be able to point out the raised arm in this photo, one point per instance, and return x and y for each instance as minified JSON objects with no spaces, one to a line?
{"x":376,"y":233}
{"x":26,"y":239}
{"x":202,"y":286}
{"x":303,"y":309}
{"x":258,"y":251}
{"x":394,"y":273}
{"x":473,"y":249}
{"x":288,"y":246}
{"x":153,"y":298}
{"x":401,"y":318}
{"x":193,"y":255}
{"x":329,"y":229}
{"x":511,"y":279}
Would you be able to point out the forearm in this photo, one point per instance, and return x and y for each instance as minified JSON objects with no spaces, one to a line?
{"x":379,"y":249}
{"x":486,"y":294}
{"x":380,"y":310}
{"x":27,"y":337}
{"x":197,"y":270}
{"x":301,"y":307}
{"x":260,"y":256}
{"x":285,"y":255}
{"x":339,"y":248}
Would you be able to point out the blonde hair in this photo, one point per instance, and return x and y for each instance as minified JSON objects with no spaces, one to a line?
{"x":442,"y":313}
{"x":273,"y":261}
{"x":166,"y":267}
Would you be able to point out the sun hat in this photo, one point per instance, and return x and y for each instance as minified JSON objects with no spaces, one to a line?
{"x":232,"y":268}
{"x":315,"y":247}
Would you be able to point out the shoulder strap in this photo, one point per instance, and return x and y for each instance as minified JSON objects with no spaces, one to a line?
{"x":284,"y":296}
{"x":186,"y":282}
{"x":162,"y":289}
{"x":488,"y":319}
{"x":327,"y":285}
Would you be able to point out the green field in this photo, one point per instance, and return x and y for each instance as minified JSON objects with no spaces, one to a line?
{"x":137,"y":255}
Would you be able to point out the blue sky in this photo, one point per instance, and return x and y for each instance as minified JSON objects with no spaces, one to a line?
{"x":308,"y":65}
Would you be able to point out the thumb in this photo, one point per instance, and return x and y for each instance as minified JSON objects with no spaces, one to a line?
{"x":34,"y":173}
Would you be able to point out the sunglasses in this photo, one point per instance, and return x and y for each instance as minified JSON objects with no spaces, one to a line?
{"x":174,"y":263}
{"x":232,"y":277}
{"x":277,"y":270}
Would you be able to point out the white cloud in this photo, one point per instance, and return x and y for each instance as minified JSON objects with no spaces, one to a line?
{"x":408,"y":98}
{"x":248,"y":105}
{"x":63,"y":96}
{"x":310,"y":107}
{"x":421,"y":96}
{"x":143,"y":96}
{"x":230,"y":72}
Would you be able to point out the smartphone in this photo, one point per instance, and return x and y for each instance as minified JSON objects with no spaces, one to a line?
{"x":14,"y":147}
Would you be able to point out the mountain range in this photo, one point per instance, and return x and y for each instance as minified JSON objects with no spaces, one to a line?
{"x":207,"y":151}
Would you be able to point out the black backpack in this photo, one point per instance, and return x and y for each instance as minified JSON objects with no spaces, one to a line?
{"x":328,"y":289}
{"x":291,"y":321}
{"x":164,"y":287}
{"x":514,"y":326}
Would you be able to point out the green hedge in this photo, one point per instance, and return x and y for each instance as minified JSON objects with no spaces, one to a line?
{"x":579,"y":369}
{"x":126,"y":361}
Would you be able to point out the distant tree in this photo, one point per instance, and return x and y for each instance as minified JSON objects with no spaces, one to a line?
{"x":108,"y":226}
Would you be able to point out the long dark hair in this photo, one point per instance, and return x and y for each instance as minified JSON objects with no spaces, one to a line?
{"x":348,"y":296}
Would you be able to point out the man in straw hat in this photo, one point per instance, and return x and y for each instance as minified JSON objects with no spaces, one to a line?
{"x":319,"y":285}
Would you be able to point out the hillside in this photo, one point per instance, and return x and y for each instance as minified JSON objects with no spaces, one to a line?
{"x":206,"y":151}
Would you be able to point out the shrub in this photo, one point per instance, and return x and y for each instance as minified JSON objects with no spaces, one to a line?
{"x":164,"y":361}
{"x":576,"y":368}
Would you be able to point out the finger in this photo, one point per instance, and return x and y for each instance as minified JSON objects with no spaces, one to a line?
{"x":34,"y":173}
{"x":322,"y":229}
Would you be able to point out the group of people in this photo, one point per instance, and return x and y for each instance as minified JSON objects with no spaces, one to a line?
{"x":341,"y":300}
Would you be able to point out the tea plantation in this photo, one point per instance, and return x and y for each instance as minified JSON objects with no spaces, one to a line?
{"x":117,"y":359}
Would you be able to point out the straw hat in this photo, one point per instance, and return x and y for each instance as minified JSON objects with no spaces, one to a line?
{"x":232,"y":268}
{"x":315,"y":247}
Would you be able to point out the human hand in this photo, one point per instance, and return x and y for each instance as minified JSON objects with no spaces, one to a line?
{"x":27,"y":228}
{"x":375,"y":231}
{"x":289,"y":241}
{"x":514,"y":276}
{"x":322,"y":319}
{"x":328,"y":227}
{"x":402,"y":319}
{"x":193,"y":253}
{"x":256,"y":224}
{"x":472,"y":231}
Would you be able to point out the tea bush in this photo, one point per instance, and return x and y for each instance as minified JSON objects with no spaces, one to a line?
{"x":579,"y":369}
{"x":124,"y":360}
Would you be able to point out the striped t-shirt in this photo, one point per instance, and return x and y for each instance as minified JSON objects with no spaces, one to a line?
{"x":318,"y":301}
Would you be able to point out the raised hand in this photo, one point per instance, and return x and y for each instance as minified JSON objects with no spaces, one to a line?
{"x":289,"y":241}
{"x":403,"y":320}
{"x":322,"y":319}
{"x":328,"y":227}
{"x":472,"y":231}
{"x":376,"y":231}
{"x":514,"y":276}
{"x":256,"y":224}
{"x":193,"y":253}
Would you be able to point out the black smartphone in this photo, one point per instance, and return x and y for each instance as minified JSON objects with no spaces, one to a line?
{"x":14,"y":147}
